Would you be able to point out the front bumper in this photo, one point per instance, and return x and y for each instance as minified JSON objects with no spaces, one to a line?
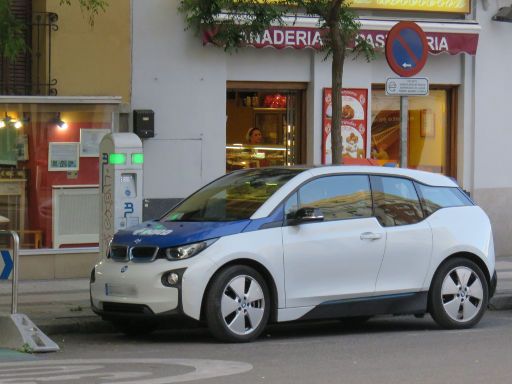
{"x":134,"y":290}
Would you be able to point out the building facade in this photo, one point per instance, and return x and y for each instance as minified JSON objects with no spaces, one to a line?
{"x":266,"y":104}
{"x":58,"y":100}
{"x":206,"y":100}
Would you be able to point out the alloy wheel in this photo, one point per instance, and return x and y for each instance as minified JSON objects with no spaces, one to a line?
{"x":462,"y":294}
{"x":242,"y":305}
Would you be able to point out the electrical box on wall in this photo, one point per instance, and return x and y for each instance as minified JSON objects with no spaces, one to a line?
{"x":144,"y":123}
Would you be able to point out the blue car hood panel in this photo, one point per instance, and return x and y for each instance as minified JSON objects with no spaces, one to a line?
{"x":174,"y":233}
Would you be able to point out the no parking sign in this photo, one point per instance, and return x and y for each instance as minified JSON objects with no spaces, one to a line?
{"x":406,"y":48}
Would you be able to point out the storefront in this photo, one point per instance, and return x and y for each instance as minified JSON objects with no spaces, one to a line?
{"x":49,"y":172}
{"x":277,"y":88}
{"x":205,"y":100}
{"x":264,"y":124}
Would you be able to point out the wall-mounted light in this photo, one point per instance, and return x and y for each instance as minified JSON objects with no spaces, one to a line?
{"x":504,"y":14}
{"x":8,"y":120}
{"x":61,"y":124}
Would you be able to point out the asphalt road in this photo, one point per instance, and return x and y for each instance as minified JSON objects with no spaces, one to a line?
{"x":391,"y":350}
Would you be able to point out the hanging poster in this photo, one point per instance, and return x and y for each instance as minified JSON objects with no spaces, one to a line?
{"x":63,"y":156}
{"x":90,"y":140}
{"x":354,"y":123}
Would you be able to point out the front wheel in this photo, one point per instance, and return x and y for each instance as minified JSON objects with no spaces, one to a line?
{"x":459,"y":294}
{"x":237,"y":304}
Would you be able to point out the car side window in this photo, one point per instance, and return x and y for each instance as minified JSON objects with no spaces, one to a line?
{"x":395,"y":201}
{"x":338,"y":197}
{"x":435,"y":198}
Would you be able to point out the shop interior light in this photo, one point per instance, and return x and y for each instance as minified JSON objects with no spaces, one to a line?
{"x":61,"y":124}
{"x":6,"y":121}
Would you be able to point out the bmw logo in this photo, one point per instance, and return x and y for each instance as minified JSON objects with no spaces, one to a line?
{"x":123,"y":270}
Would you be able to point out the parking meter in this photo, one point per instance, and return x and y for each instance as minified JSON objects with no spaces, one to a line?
{"x":121,"y":161}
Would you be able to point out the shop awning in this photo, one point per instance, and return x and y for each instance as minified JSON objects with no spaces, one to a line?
{"x":450,"y":37}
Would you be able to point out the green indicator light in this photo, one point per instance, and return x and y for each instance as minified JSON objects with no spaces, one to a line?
{"x":117,"y":158}
{"x":137,"y":158}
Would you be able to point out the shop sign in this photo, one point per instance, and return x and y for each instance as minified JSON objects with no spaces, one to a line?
{"x":354,"y":123}
{"x":410,"y":86}
{"x":304,"y":37}
{"x":451,"y":6}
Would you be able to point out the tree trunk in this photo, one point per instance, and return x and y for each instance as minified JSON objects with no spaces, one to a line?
{"x":338,"y":58}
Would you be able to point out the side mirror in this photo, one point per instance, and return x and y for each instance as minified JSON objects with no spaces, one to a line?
{"x":306,"y":215}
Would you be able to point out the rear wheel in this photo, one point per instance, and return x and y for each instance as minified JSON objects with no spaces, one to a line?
{"x":237,"y":304}
{"x":459,"y":294}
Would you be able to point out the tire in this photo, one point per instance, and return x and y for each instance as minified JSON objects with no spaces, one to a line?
{"x":237,"y":304}
{"x":459,"y":294}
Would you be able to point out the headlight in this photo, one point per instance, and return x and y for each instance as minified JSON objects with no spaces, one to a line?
{"x":186,"y":251}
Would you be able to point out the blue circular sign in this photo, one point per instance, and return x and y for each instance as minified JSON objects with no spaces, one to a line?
{"x":406,"y":49}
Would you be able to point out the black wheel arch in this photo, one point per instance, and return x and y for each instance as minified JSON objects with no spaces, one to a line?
{"x":262,"y":270}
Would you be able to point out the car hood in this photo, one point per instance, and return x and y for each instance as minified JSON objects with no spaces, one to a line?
{"x":174,"y":233}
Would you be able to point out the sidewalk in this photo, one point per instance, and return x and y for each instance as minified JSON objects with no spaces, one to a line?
{"x":62,"y":306}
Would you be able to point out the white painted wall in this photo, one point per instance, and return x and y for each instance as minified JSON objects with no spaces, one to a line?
{"x":492,"y":124}
{"x":493,"y":105}
{"x":184,"y":82}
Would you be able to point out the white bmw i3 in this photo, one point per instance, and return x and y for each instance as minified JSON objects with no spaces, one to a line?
{"x":280,"y":244}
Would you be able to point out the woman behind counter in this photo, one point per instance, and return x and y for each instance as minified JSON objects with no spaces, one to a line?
{"x":254,"y":136}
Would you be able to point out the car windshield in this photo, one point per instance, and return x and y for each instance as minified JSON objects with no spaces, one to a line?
{"x":235,"y":196}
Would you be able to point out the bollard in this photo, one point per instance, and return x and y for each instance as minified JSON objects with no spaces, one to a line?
{"x":17,"y":331}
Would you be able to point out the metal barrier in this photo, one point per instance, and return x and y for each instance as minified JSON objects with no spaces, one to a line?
{"x":17,"y":331}
{"x":15,"y":256}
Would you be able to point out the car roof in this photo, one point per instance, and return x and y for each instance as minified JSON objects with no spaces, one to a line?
{"x":429,"y":178}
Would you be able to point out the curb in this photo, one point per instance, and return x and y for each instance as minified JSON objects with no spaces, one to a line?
{"x":501,"y":303}
{"x":90,"y":324}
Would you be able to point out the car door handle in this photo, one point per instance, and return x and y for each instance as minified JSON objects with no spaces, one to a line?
{"x":371,"y":236}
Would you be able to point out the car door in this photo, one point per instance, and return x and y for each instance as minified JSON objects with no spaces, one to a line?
{"x":340,"y":256}
{"x":408,"y":236}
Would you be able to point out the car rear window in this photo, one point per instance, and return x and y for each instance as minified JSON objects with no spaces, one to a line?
{"x":435,"y":198}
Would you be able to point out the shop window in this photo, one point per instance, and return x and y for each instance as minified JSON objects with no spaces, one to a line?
{"x":430,"y":146}
{"x":49,"y":172}
{"x":263,"y":127}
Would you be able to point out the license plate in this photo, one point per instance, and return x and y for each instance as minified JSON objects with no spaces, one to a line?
{"x":121,"y":290}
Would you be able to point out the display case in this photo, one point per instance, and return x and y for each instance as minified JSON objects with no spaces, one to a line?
{"x":254,"y":156}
